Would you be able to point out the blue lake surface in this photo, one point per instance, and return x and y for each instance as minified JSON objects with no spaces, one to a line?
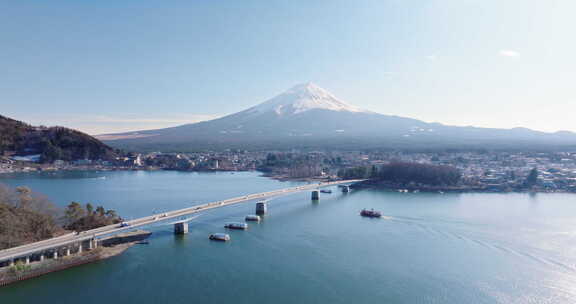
{"x":431,"y":248}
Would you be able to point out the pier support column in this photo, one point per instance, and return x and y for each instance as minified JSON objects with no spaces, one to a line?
{"x":11,"y":262}
{"x":42,"y":258}
{"x":80,"y":248}
{"x":346,"y":189}
{"x":27,"y":260}
{"x":181,"y":228}
{"x":90,"y":245}
{"x":67,"y":251}
{"x":55,"y":256}
{"x":261,"y":208}
{"x":315,"y":195}
{"x":95,"y":243}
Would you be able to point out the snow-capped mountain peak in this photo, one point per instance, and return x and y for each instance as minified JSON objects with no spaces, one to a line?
{"x":302,"y":98}
{"x":308,"y":117}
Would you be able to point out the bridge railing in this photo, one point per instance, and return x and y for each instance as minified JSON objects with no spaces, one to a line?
{"x":21,"y":247}
{"x":37,"y":246}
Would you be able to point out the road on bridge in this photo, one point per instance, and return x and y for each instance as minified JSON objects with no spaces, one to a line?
{"x":32,"y":248}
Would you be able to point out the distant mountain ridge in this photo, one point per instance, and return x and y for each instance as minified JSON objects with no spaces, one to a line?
{"x":51,"y":143}
{"x":307,"y":116}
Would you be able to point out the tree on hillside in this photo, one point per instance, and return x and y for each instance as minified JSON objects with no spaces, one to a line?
{"x":80,"y":218}
{"x":73,"y":213}
{"x":100,"y":211}
{"x":532,"y":178}
{"x":89,"y":209}
{"x":405,"y":173}
{"x":25,"y":217}
{"x":111,"y":213}
{"x":24,"y":196}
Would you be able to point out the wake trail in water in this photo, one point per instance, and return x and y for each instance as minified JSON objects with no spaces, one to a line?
{"x":420,"y":225}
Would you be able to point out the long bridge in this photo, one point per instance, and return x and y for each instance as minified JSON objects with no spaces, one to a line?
{"x":74,"y":243}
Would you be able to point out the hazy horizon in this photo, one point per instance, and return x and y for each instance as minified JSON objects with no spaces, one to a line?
{"x":109,"y":66}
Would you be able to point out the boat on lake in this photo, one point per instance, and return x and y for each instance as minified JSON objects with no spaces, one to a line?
{"x":370,"y":213}
{"x":219,"y":237}
{"x":237,"y":226}
{"x":252,"y":218}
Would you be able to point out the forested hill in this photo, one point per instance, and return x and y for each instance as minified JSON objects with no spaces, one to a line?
{"x":51,"y":143}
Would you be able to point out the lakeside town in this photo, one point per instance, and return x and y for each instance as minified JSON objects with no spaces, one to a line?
{"x":480,"y":171}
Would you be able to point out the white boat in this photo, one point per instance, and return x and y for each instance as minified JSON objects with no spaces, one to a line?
{"x":219,"y":237}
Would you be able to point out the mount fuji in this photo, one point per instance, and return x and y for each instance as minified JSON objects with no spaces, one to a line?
{"x":307,"y":116}
{"x":302,"y":98}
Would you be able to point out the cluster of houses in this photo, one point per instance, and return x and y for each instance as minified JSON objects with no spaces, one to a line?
{"x":497,"y":171}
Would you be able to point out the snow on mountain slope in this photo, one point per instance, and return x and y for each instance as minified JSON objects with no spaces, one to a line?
{"x":308,"y":116}
{"x":302,"y":98}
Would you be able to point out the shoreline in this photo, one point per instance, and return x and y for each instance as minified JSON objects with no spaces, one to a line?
{"x":71,"y":169}
{"x":278,"y":177}
{"x":285,"y":178}
{"x":110,"y":247}
{"x":446,"y":189}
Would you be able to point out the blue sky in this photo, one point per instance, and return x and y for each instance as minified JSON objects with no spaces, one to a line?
{"x":105,"y":66}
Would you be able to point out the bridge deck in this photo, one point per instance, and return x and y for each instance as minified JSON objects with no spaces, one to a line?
{"x":45,"y":245}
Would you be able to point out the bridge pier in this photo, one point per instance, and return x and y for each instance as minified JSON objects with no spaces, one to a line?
{"x":11,"y":262}
{"x":261,"y":208}
{"x":315,"y":195}
{"x":181,"y":228}
{"x":345,"y":189}
{"x":82,"y":242}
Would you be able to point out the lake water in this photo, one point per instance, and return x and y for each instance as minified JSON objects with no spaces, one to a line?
{"x":433,"y":248}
